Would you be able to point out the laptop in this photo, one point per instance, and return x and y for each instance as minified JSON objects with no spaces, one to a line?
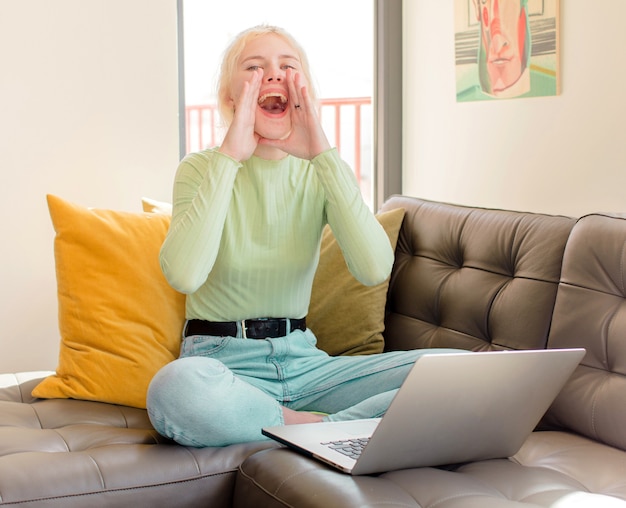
{"x":452,"y":408}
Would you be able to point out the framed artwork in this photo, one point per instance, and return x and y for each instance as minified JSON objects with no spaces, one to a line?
{"x":506,"y":49}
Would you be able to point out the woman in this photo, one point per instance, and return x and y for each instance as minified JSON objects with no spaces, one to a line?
{"x":244,"y":245}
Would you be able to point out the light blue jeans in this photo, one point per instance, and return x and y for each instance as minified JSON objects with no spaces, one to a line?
{"x":223,"y":390}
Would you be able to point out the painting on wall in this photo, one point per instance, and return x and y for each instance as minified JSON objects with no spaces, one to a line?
{"x":506,"y":49}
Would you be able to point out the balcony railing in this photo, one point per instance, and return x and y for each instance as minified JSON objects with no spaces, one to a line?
{"x":346,"y":121}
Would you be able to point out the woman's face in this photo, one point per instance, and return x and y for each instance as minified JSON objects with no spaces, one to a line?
{"x":273,"y":55}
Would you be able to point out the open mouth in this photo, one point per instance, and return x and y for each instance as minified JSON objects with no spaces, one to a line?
{"x":273,"y":103}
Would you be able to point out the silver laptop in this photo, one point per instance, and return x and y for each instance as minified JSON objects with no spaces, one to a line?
{"x":452,"y":408}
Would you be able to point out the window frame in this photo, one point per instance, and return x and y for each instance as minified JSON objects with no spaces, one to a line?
{"x":387,"y":100}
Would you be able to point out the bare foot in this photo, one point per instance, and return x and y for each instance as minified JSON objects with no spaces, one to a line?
{"x":290,"y":417}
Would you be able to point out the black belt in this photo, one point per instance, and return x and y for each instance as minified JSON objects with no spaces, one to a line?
{"x":250,"y":328}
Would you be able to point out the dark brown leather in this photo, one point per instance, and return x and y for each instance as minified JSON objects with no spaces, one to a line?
{"x":473,"y":278}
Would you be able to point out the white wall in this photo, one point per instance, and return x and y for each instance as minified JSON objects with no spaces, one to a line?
{"x":88,"y":111}
{"x":563,"y":155}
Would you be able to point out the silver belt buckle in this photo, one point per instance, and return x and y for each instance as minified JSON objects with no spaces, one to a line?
{"x":243,"y":329}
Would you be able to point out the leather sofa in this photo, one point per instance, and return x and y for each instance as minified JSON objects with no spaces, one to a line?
{"x":464,"y":277}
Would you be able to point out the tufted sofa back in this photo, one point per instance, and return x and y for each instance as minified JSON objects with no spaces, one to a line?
{"x":590,"y":312}
{"x":484,"y":279}
{"x":473,"y":278}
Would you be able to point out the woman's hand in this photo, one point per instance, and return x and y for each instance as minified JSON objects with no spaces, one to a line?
{"x":307,"y":138}
{"x":241,"y":141}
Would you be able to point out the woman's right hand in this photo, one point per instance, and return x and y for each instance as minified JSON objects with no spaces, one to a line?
{"x":241,"y":141}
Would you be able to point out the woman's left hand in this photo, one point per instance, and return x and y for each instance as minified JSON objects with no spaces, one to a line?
{"x":307,"y":138}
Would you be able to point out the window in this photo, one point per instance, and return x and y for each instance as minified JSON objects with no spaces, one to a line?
{"x":342,"y":39}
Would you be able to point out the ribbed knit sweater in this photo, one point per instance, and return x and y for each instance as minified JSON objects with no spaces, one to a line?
{"x":244,"y":238}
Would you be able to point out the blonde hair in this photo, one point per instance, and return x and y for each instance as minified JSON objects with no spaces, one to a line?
{"x":231,"y":57}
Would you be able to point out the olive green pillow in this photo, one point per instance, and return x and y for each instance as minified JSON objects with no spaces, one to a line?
{"x":346,"y":316}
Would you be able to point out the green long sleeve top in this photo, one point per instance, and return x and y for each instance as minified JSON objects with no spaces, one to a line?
{"x":244,"y":239}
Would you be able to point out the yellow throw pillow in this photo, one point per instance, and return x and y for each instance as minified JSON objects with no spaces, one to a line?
{"x":346,"y":316}
{"x":154,"y":206}
{"x":119,"y":319}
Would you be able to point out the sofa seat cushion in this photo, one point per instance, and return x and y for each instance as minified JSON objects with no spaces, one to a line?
{"x":597,"y":467}
{"x":70,"y":453}
{"x":553,"y":469}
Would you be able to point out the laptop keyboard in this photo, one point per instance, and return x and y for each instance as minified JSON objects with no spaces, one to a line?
{"x":350,"y":447}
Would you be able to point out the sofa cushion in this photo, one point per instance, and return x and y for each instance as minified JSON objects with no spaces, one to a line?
{"x":473,"y":278}
{"x":346,"y":316}
{"x":68,"y":453}
{"x":595,"y":467}
{"x":119,"y":319}
{"x":551,"y":470}
{"x":590,"y":312}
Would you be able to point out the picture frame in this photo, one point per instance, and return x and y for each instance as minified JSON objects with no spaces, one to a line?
{"x":506,"y":49}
